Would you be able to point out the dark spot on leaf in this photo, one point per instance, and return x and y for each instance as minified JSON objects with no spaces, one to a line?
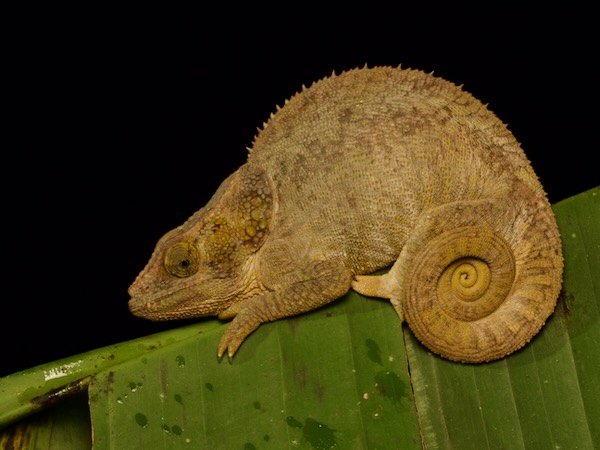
{"x":266,"y":438}
{"x":249,"y":446}
{"x":180,"y":361}
{"x":319,"y":435}
{"x":564,"y":305}
{"x":178,"y":399}
{"x":373,"y":351}
{"x":176,"y":430}
{"x":133,"y":386}
{"x":300,"y":376}
{"x":141,"y":420}
{"x":390,"y":386}
{"x":319,"y":391}
{"x":293,"y":422}
{"x":209,"y":387}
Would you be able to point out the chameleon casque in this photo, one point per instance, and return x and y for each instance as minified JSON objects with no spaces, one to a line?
{"x":369,"y":168}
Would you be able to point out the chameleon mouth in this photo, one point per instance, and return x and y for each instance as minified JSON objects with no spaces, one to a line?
{"x":173,"y":306}
{"x":149,"y":303}
{"x":164,"y":307}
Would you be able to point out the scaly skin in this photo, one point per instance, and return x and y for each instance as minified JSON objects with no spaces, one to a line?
{"x":360,"y":171}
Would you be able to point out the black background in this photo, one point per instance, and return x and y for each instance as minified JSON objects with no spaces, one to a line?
{"x":121,"y":125}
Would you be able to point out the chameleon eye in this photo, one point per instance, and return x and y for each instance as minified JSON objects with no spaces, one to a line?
{"x":181,"y":260}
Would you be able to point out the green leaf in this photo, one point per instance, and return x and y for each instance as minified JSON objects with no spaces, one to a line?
{"x":544,"y":396}
{"x":318,"y":380}
{"x":344,"y":376}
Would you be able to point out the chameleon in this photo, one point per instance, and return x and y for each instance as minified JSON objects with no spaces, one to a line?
{"x":369,"y":169}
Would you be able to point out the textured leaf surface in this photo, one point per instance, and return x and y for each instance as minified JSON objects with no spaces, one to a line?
{"x":316,"y":381}
{"x":548,"y":394}
{"x":345,"y":376}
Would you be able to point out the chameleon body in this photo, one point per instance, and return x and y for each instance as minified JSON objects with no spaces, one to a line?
{"x":371,"y":168}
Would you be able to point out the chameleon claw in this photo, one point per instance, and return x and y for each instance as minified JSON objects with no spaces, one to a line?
{"x":223,"y":348}
{"x":237,"y":331}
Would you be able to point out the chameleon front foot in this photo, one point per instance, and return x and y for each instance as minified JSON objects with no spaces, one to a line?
{"x":237,"y":331}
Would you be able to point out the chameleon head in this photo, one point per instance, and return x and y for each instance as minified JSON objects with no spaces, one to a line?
{"x":207,"y":264}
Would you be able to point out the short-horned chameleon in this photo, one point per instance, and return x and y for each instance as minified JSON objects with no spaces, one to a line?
{"x":373,"y":167}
